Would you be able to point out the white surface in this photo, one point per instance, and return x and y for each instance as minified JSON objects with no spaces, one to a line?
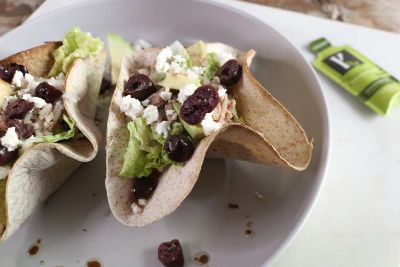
{"x":356,"y":221}
{"x":203,"y":221}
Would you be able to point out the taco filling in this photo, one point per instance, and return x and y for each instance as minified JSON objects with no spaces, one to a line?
{"x":171,"y":106}
{"x":32,"y":108}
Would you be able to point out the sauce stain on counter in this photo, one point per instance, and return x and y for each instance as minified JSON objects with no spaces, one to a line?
{"x":35,"y":248}
{"x":201,"y":258}
{"x":93,"y":263}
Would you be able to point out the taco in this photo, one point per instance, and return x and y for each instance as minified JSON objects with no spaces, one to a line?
{"x":48,"y":100}
{"x":174,"y":106}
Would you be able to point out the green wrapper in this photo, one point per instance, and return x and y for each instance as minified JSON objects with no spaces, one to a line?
{"x":361,"y":77}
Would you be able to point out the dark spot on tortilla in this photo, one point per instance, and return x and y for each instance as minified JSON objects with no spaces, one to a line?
{"x":93,"y":194}
{"x":33,"y":250}
{"x":39,"y":241}
{"x":84,"y":230}
{"x":93,"y":263}
{"x":249,"y":224}
{"x":233,"y":206}
{"x":41,"y":262}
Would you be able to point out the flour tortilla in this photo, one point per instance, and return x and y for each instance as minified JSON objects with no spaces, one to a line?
{"x":272,"y":134}
{"x":44,"y":167}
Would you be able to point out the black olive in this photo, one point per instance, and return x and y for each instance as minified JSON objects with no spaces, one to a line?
{"x":230,"y":73}
{"x":47,"y":92}
{"x":179,"y":147}
{"x":139,"y":86}
{"x":6,"y":156}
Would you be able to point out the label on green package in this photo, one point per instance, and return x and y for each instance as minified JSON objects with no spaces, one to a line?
{"x":358,"y":75}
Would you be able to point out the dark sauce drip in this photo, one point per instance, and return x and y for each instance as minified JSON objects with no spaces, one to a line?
{"x":250,"y":233}
{"x":143,"y":188}
{"x":233,"y":206}
{"x":202,"y":258}
{"x":93,"y":263}
{"x":33,"y":250}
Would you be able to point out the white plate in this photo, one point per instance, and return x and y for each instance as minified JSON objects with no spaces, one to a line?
{"x":203,"y":222}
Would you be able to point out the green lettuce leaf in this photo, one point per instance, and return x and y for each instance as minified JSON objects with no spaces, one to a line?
{"x":144,"y":152}
{"x":76,"y":44}
{"x":60,"y":136}
{"x":212,"y":66}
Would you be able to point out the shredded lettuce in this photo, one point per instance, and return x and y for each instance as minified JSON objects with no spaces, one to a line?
{"x":76,"y":44}
{"x":176,"y":128}
{"x":60,"y":136}
{"x":144,"y":152}
{"x":212,"y":65}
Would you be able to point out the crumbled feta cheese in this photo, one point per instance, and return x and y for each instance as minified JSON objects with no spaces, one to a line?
{"x":131,"y":107}
{"x":171,"y":115}
{"x":209,"y":125}
{"x":10,"y":139}
{"x":151,"y":114}
{"x":185,"y":92}
{"x":178,"y":64}
{"x":165,"y":95}
{"x":177,"y":48}
{"x":146,"y":102}
{"x":30,"y":82}
{"x":142,"y":202}
{"x":39,"y":102}
{"x":18,"y":79}
{"x":223,"y":57}
{"x":162,"y":128}
{"x":198,"y":70}
{"x":163,"y":56}
{"x":58,"y":82}
{"x":136,"y":209}
{"x":221,"y":91}
{"x":141,"y":45}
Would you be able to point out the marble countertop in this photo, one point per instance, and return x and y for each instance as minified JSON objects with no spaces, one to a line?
{"x":356,"y":219}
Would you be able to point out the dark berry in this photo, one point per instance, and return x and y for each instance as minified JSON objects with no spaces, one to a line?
{"x":139,"y":86}
{"x":179,"y":148}
{"x":6,"y":156}
{"x":143,"y":188}
{"x":47,"y":92}
{"x":24,"y":131}
{"x":170,"y":254}
{"x":230,"y":73}
{"x":7,"y":72}
{"x":203,"y":101}
{"x":18,"y":109}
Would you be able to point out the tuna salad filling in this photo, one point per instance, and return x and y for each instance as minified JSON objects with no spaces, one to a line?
{"x":170,"y":107}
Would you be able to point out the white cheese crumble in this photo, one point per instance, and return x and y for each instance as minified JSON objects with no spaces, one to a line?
{"x":146,"y":102}
{"x":172,"y":114}
{"x":10,"y":139}
{"x":185,"y":92}
{"x":141,"y":45}
{"x":39,"y":102}
{"x":136,"y":209}
{"x":30,"y":82}
{"x":131,"y":107}
{"x":18,"y":79}
{"x":221,"y":91}
{"x":223,"y":57}
{"x":178,"y":64}
{"x":209,"y":125}
{"x":177,"y":48}
{"x":163,"y":56}
{"x":165,"y":95}
{"x":162,"y":128}
{"x":142,"y":202}
{"x":58,"y":82}
{"x":151,"y":114}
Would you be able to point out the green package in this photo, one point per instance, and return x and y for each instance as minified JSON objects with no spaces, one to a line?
{"x":361,"y":77}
